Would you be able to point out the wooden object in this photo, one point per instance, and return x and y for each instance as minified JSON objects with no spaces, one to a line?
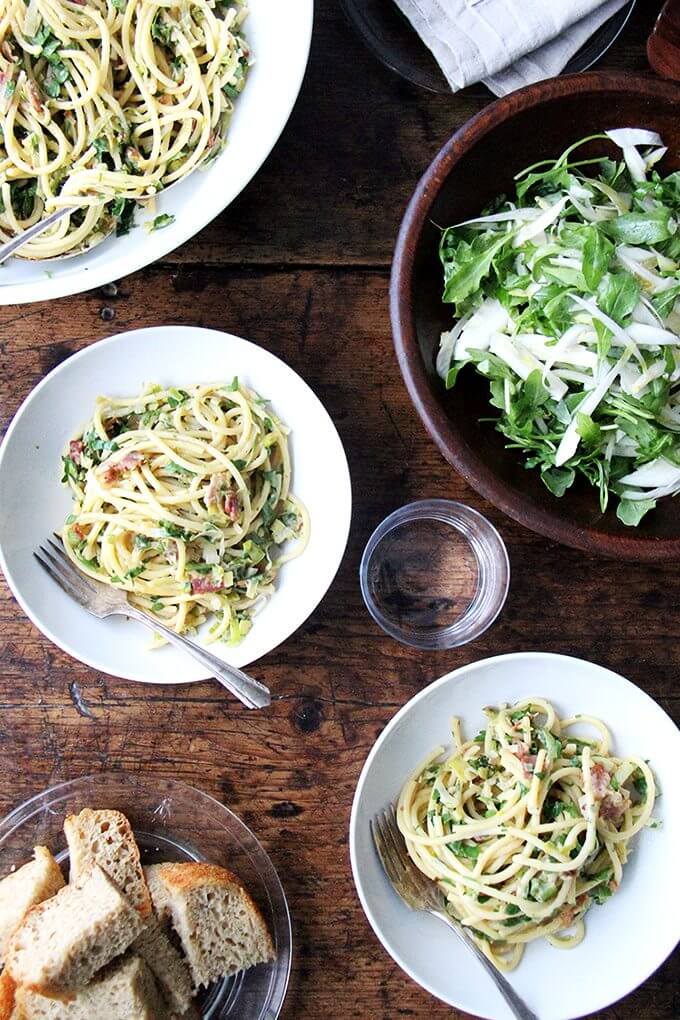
{"x":663,"y":45}
{"x":300,"y":263}
{"x":464,"y":177}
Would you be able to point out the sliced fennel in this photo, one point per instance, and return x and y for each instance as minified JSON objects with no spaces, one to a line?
{"x":567,"y":299}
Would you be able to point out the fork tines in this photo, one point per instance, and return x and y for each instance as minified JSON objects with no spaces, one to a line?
{"x":56,"y":563}
{"x":415,"y":889}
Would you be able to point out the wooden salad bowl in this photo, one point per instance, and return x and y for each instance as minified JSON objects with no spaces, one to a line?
{"x":474,"y":166}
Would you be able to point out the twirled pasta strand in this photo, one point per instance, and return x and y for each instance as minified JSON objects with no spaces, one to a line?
{"x":526,"y":825}
{"x":106,"y":103}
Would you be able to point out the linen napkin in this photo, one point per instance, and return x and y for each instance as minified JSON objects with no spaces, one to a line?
{"x":505,"y":43}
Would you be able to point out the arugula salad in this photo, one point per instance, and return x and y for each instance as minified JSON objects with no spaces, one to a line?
{"x":567,"y":299}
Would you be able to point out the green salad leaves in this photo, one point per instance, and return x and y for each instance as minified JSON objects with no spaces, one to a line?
{"x":567,"y":299}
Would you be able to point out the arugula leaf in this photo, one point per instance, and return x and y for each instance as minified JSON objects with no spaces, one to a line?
{"x":631,"y":511}
{"x":617,"y":295}
{"x":558,"y":480}
{"x":589,"y":431}
{"x":159,"y":222}
{"x":543,"y":888}
{"x":640,"y":783}
{"x":640,"y":228}
{"x":550,"y":742}
{"x":597,"y":253}
{"x":70,"y":469}
{"x":466,"y":266}
{"x":601,"y":893}
{"x":174,"y":531}
{"x":461,"y":849}
{"x":665,"y":300}
{"x":22,"y":193}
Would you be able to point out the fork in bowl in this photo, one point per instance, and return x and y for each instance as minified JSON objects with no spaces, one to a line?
{"x":420,"y":893}
{"x":101,"y":600}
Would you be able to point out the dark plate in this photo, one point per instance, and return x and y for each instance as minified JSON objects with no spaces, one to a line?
{"x":389,"y":35}
{"x":464,"y":177}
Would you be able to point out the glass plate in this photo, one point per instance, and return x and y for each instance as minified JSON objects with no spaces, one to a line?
{"x":390,"y":37}
{"x":172,"y":822}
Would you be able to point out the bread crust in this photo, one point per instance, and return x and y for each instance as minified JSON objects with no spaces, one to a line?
{"x":7,"y":999}
{"x":78,"y":829}
{"x":194,"y":874}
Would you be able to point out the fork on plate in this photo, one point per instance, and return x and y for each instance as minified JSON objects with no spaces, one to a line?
{"x":102,"y":600}
{"x":420,"y":893}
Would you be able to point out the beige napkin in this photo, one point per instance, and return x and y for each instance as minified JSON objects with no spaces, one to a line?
{"x":505,"y":43}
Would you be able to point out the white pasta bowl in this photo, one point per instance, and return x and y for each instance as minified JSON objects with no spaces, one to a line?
{"x":279,"y":35}
{"x":626,"y":939}
{"x":33,"y":503}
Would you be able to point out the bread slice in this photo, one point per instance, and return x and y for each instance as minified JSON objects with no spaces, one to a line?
{"x":8,"y":1009}
{"x":106,"y":838}
{"x":192,"y":1013}
{"x":221,"y":929}
{"x":125,"y":990}
{"x":168,"y":965}
{"x":63,"y":942}
{"x":159,"y":894}
{"x":24,"y":888}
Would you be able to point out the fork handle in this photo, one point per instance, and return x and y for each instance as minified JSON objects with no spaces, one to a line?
{"x":20,"y":240}
{"x":249,"y":691}
{"x":519,"y":1008}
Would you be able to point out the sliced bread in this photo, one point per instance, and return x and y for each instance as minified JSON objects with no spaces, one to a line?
{"x":168,"y":965}
{"x":221,"y":929}
{"x":125,"y":990}
{"x":63,"y":942}
{"x":26,"y":887}
{"x":7,"y":998}
{"x":159,"y":894}
{"x":106,"y":838}
{"x":192,"y":1013}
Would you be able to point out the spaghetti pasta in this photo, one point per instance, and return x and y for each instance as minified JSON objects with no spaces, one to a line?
{"x":105,"y":103}
{"x":526,"y":826}
{"x":182,"y":498}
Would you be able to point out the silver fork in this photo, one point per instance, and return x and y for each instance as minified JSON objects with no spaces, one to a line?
{"x":420,"y":893}
{"x":102,"y":600}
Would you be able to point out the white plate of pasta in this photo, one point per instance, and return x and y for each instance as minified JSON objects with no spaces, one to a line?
{"x":104,"y":103}
{"x":218,"y":497}
{"x":522,"y":784}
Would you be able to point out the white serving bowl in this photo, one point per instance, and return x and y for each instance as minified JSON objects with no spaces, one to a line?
{"x":279,"y":33}
{"x":33,"y":503}
{"x":626,"y":939}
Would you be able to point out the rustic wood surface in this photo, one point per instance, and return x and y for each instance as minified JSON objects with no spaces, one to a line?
{"x":300,"y":264}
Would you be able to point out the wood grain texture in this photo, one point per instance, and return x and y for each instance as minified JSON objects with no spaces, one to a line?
{"x":316,"y":229}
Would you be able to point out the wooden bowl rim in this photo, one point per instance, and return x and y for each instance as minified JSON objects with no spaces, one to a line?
{"x":476,"y":472}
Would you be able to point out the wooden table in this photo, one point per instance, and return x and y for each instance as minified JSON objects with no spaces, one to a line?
{"x":300,"y":264}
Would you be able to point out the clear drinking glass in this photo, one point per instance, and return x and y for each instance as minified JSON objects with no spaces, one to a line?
{"x":172,"y":822}
{"x":435,"y":574}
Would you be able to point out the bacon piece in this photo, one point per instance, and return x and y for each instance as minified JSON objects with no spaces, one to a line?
{"x":75,"y":450}
{"x":113,"y":472}
{"x":203,"y":585}
{"x":217,"y":483}
{"x":614,"y":805}
{"x":599,"y":778}
{"x":521,"y":752}
{"x":568,"y":914}
{"x":232,"y":506}
{"x":7,"y":51}
{"x":230,"y":503}
{"x":81,"y":531}
{"x":35,"y":96}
